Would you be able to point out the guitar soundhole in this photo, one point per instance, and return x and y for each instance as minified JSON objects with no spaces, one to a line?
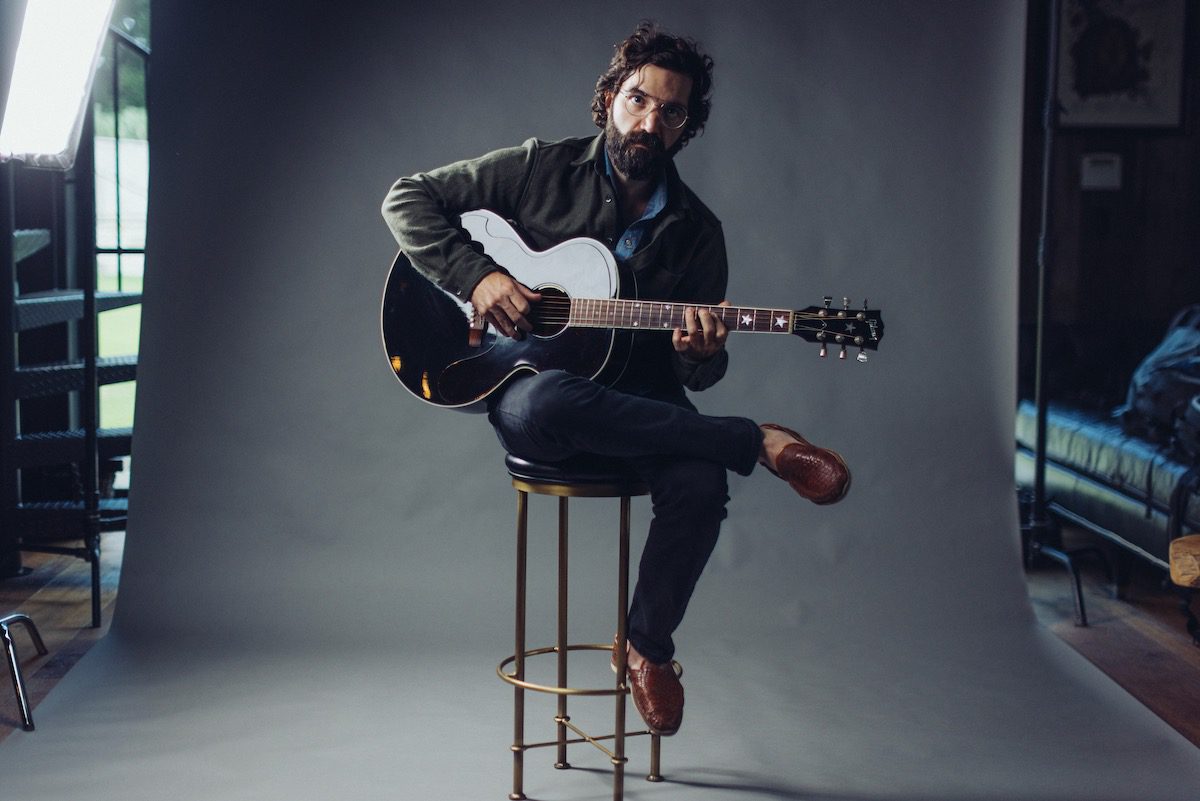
{"x":551,"y":314}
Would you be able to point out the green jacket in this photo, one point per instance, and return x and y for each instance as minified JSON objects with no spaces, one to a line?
{"x":555,"y":191}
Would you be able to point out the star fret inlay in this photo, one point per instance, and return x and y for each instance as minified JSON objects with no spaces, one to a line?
{"x":747,"y":319}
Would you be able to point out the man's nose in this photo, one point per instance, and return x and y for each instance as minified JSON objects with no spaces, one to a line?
{"x":651,"y":123}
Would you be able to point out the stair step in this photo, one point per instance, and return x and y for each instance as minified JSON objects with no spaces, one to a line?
{"x":44,"y":521}
{"x":54,"y":379}
{"x":29,"y":241}
{"x":64,"y":447}
{"x":37,"y":309}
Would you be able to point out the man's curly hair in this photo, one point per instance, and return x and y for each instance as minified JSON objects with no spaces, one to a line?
{"x":649,"y":45}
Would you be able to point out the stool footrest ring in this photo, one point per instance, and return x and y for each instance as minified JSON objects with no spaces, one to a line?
{"x":544,"y":688}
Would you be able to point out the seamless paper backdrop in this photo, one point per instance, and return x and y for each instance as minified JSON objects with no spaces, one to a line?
{"x":317,"y":581}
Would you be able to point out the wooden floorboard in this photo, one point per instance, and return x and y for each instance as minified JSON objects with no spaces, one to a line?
{"x":1139,"y":641}
{"x":57,"y":597}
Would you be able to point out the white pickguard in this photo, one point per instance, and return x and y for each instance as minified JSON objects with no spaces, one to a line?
{"x":581,"y":267}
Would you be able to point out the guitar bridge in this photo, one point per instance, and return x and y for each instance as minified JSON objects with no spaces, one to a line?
{"x":475,"y":330}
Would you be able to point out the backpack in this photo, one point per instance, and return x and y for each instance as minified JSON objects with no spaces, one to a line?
{"x":1165,"y":382}
{"x":1187,"y":430}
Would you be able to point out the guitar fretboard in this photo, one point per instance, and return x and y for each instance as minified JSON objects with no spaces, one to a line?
{"x":607,"y":313}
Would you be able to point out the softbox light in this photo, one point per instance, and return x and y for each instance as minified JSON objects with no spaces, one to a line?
{"x":56,"y":59}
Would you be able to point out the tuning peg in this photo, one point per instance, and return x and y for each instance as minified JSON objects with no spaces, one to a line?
{"x":823,"y":352}
{"x":862,"y":355}
{"x":842,"y":355}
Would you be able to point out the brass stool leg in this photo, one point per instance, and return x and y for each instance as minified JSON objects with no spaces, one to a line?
{"x":655,"y":774}
{"x":14,"y":664}
{"x":518,"y":746}
{"x":622,"y":634}
{"x":562,"y":717}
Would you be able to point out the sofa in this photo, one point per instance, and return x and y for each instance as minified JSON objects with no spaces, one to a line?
{"x":1136,"y":494}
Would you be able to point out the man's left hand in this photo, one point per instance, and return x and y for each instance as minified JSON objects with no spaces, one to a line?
{"x":703,"y":335}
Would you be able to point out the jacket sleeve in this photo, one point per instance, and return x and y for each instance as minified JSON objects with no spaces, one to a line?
{"x":710,"y":268}
{"x":422,"y":210}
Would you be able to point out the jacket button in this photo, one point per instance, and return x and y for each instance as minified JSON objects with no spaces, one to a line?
{"x":608,"y":200}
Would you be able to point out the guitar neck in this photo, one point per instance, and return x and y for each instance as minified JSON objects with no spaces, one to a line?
{"x":635,"y":314}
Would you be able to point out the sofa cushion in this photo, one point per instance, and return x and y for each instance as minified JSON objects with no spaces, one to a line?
{"x":1095,"y":446}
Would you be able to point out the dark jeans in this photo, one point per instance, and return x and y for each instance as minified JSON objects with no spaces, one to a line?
{"x":682,"y":456}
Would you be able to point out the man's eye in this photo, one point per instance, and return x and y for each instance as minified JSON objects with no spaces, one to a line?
{"x":637,"y":100}
{"x":673,"y":113}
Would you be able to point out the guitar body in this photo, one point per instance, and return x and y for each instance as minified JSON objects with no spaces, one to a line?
{"x":434,"y":352}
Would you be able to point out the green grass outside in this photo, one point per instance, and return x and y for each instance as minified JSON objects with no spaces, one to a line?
{"x":119,"y":333}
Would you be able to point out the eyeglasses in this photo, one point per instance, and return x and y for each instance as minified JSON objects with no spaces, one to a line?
{"x":671,"y":115}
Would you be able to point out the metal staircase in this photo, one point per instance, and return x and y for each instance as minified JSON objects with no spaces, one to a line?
{"x":63,"y":255}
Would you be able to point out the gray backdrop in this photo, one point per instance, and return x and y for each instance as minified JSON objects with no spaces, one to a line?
{"x":317,"y":579}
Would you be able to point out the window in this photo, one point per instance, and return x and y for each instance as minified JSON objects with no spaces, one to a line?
{"x":122,"y":181}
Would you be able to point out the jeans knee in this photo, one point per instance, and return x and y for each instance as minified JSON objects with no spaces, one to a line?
{"x":534,"y":414}
{"x":552,"y":401}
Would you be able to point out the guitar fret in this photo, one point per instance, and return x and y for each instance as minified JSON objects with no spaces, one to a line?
{"x":629,"y":314}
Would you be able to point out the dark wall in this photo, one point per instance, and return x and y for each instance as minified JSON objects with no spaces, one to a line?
{"x":1120,"y":262}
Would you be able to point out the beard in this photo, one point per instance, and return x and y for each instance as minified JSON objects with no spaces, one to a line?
{"x":635,"y":163}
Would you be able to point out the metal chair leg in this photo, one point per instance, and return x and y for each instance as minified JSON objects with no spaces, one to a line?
{"x":14,"y":664}
{"x":93,"y":549}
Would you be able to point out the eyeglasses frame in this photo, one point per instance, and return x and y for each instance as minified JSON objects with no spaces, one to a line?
{"x":658,"y":106}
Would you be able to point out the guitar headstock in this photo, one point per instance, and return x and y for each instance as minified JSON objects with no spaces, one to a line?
{"x":845,"y":327}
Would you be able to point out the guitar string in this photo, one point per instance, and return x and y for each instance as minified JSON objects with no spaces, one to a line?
{"x":619,"y":304}
{"x":604,"y":312}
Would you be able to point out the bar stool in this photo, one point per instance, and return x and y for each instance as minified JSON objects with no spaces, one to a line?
{"x":14,"y":664}
{"x":580,"y":477}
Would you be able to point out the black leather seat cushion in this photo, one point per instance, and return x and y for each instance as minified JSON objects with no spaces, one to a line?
{"x":586,"y":469}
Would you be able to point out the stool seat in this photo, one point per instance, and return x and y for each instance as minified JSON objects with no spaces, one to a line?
{"x":585,"y":470}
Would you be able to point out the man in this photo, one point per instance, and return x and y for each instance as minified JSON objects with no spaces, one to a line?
{"x":622,"y":189}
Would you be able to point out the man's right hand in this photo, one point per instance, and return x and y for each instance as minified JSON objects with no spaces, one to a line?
{"x":504,"y":302}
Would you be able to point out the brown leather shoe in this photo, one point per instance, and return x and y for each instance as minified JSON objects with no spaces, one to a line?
{"x":658,"y":696}
{"x":818,"y":474}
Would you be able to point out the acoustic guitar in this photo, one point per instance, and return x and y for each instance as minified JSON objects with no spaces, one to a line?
{"x":584,"y":323}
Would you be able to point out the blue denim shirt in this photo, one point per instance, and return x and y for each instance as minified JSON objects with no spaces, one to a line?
{"x":627,"y":243}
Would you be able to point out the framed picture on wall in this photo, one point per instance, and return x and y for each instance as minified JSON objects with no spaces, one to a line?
{"x":1120,"y":63}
